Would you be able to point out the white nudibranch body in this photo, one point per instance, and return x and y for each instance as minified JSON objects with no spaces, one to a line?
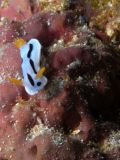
{"x":31,"y":54}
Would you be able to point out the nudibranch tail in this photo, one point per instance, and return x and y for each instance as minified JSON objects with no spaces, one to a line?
{"x":40,"y":72}
{"x":19,"y":42}
{"x":15,"y":81}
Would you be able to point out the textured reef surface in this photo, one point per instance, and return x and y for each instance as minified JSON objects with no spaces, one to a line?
{"x":77,"y":115}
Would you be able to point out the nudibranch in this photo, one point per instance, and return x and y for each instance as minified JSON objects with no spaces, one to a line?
{"x":33,"y":78}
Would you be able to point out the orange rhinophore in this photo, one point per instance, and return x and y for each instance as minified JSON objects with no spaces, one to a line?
{"x":19,"y":42}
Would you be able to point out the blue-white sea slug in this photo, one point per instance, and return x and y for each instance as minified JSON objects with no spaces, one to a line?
{"x":33,"y":79}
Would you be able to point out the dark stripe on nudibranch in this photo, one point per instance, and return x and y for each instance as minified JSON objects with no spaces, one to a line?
{"x":33,"y":66}
{"x":39,"y":83}
{"x":30,"y":79}
{"x":30,"y":50}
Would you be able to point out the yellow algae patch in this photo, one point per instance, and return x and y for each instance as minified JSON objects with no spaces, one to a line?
{"x":4,"y":4}
{"x":112,"y":142}
{"x":52,"y":5}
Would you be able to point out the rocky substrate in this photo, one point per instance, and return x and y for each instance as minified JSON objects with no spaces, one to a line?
{"x":77,"y":115}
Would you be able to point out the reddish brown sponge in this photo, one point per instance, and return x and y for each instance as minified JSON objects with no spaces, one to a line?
{"x":49,"y":25}
{"x":10,"y":10}
{"x":64,"y":57}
